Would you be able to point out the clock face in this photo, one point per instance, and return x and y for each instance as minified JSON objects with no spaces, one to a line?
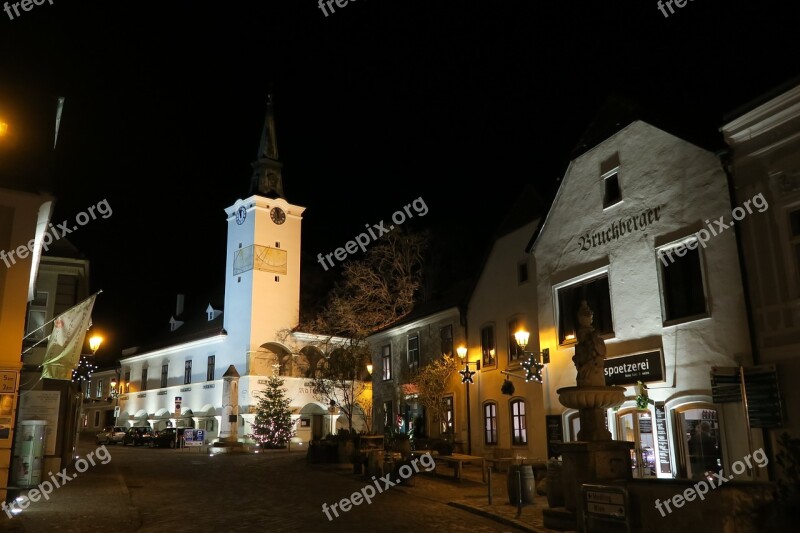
{"x":277,"y":215}
{"x":241,"y":214}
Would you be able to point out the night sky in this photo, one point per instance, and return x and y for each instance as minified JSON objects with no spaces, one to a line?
{"x":377,"y":104}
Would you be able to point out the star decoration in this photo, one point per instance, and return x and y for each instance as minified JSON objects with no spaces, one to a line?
{"x":533,"y":370}
{"x":466,"y":375}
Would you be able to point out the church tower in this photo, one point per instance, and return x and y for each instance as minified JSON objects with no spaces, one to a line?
{"x":262,"y":273}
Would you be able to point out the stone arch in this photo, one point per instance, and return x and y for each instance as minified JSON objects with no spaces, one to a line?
{"x":262,"y":360}
{"x":311,"y":359}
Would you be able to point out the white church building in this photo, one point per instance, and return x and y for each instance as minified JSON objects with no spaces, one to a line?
{"x":179,"y":382}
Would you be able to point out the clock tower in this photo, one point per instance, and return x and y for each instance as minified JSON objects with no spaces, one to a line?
{"x":262,"y":269}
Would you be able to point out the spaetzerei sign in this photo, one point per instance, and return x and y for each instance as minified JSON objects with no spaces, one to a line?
{"x":646,"y":367}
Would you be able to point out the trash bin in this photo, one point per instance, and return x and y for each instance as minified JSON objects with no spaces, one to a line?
{"x":528,"y":484}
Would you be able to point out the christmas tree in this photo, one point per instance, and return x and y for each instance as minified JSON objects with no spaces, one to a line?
{"x":273,"y":425}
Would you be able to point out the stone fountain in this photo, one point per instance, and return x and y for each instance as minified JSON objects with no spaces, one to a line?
{"x":594,"y":457}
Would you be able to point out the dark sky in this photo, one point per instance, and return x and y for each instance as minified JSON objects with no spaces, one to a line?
{"x":460,"y":103}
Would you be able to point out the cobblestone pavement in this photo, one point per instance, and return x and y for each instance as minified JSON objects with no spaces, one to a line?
{"x":148,"y":490}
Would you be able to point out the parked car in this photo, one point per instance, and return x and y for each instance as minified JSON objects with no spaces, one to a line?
{"x":137,"y":436}
{"x":166,"y":438}
{"x":110,"y":435}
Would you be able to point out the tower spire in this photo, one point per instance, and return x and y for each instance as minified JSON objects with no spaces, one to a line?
{"x":267,"y":179}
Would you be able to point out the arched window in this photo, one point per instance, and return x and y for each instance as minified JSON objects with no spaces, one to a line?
{"x":490,"y":422}
{"x":519,"y":431}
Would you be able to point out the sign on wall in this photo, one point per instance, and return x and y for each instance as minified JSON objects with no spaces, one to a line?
{"x":662,"y":439}
{"x":646,"y":367}
{"x":8,"y":391}
{"x":555,"y":435}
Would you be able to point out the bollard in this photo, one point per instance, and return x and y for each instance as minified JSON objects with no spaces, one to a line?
{"x":519,"y":493}
{"x":490,"y":485}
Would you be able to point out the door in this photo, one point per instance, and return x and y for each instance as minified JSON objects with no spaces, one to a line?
{"x":637,"y":427}
{"x":699,"y":439}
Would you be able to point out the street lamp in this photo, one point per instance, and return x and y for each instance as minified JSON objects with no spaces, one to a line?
{"x":534,"y":362}
{"x":115,"y":392}
{"x":84,"y":373}
{"x":369,"y":368}
{"x":466,"y":379}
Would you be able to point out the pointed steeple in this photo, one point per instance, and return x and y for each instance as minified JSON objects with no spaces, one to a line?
{"x":267,"y":179}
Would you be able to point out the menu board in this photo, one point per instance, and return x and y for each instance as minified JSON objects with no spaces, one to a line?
{"x":761,"y":388}
{"x":661,"y":437}
{"x":555,"y":435}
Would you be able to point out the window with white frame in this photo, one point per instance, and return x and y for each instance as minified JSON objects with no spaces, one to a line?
{"x":490,"y":422}
{"x":210,"y":368}
{"x":164,"y":374}
{"x":612,"y":195}
{"x":488,"y":346}
{"x":99,"y":392}
{"x":413,"y":351}
{"x":187,"y":372}
{"x":683,"y":292}
{"x":595,"y":291}
{"x":519,"y":432}
{"x":386,"y":362}
{"x":144,"y":379}
{"x":446,"y":340}
{"x":449,"y":415}
{"x":515,"y":352}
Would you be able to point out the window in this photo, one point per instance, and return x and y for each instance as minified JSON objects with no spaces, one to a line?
{"x":164,"y":371}
{"x":413,"y":351}
{"x":386,"y":362}
{"x":144,"y":379}
{"x":519,"y":432}
{"x":794,"y":223}
{"x":187,"y":372}
{"x":96,"y":418}
{"x":446,"y":338}
{"x":37,"y":315}
{"x":515,"y":353}
{"x":449,"y":421}
{"x":487,"y":345}
{"x":99,"y":392}
{"x":36,"y":319}
{"x":522,"y":272}
{"x":682,"y":281}
{"x":210,"y":368}
{"x":88,"y":390}
{"x":127,"y":384}
{"x":388,"y":414}
{"x":595,"y":292}
{"x":490,"y":422}
{"x":611,"y":193}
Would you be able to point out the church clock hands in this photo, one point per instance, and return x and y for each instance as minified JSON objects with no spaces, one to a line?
{"x":277,"y":215}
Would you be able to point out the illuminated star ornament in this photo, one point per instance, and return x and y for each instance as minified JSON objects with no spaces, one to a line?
{"x":533,"y":370}
{"x":466,"y":375}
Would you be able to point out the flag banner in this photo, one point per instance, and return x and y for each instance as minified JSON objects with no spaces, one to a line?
{"x":66,"y":340}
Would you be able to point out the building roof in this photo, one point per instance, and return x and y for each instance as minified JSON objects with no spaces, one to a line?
{"x":195,"y":325}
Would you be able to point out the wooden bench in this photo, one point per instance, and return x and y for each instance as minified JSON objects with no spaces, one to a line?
{"x":458,"y":460}
{"x":499,"y":458}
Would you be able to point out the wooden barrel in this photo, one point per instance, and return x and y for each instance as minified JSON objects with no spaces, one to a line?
{"x":527,"y":481}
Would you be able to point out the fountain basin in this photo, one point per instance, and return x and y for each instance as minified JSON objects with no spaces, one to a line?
{"x":591,"y":397}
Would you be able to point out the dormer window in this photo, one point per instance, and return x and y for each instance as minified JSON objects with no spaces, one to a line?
{"x":174,"y":324}
{"x":212,"y":313}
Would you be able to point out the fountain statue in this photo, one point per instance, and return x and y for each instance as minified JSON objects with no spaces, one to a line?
{"x":594,"y":457}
